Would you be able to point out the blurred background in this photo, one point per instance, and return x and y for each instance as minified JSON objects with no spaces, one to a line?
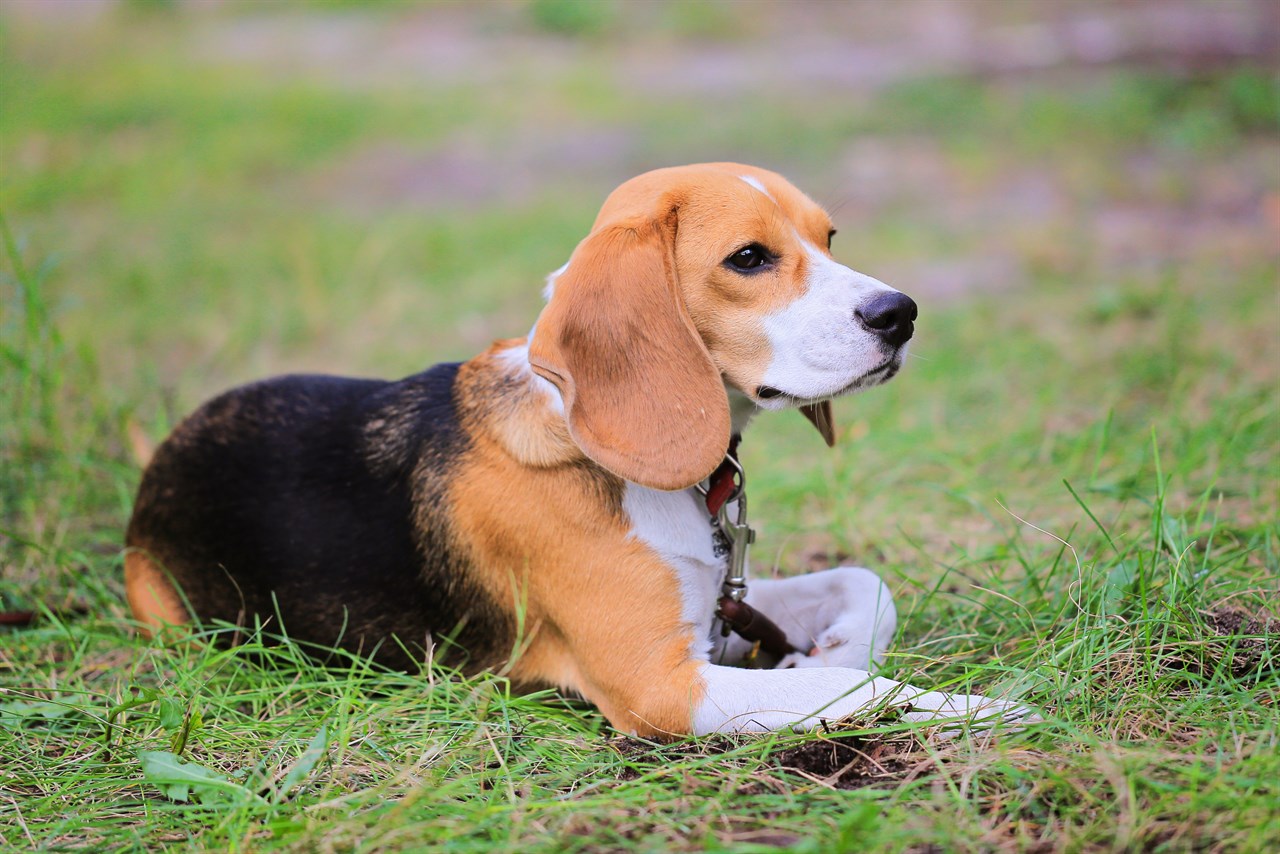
{"x":1084,"y":198}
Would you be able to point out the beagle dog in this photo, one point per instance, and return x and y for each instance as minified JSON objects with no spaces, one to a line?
{"x":536,"y":508}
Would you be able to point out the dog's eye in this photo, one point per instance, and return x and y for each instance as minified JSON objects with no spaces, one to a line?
{"x":830,"y":234}
{"x":749,"y":257}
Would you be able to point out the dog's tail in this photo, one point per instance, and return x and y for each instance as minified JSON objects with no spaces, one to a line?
{"x":140,"y":444}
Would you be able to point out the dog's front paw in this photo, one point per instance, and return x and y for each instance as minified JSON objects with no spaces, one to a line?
{"x":957,"y":711}
{"x":841,"y":645}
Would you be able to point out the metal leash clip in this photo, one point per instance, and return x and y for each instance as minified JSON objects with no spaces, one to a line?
{"x":733,"y":539}
{"x":740,"y":536}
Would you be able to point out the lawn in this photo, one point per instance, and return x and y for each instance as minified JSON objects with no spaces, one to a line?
{"x":1073,"y":488}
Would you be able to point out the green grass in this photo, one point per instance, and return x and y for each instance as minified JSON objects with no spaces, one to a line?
{"x":1072,"y":490}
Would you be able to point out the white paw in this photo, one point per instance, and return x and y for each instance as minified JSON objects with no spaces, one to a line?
{"x":834,"y":648}
{"x":972,"y":710}
{"x":795,"y":659}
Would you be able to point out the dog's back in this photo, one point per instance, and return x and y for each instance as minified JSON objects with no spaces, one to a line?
{"x":309,"y":499}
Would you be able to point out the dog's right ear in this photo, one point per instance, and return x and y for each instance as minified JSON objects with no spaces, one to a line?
{"x":642,"y":395}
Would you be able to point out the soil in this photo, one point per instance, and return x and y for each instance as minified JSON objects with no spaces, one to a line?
{"x":854,"y":762}
{"x":838,"y":758}
{"x":1249,"y":639}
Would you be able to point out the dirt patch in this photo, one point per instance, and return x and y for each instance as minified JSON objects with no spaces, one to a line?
{"x":1243,"y":639}
{"x":854,"y":762}
{"x":1231,"y":621}
{"x":837,"y":759}
{"x":1226,"y":642}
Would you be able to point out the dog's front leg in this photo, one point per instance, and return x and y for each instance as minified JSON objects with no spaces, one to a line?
{"x":842,"y":617}
{"x":737,"y":700}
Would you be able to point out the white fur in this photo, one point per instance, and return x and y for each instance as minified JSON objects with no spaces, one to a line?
{"x":842,"y":617}
{"x":741,"y":409}
{"x":677,"y":527}
{"x":755,"y":182}
{"x":517,"y":360}
{"x":739,"y":700}
{"x":819,"y":348}
{"x":846,"y":614}
{"x":550,"y":288}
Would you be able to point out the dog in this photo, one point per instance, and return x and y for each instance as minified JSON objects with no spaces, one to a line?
{"x":540,"y":508}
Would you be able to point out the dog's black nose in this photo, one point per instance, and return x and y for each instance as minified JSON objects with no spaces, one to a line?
{"x":889,"y":316}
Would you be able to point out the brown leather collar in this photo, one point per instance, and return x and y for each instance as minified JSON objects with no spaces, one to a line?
{"x":721,"y":485}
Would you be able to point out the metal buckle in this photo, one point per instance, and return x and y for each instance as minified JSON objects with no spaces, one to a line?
{"x":741,"y":535}
{"x":737,"y":536}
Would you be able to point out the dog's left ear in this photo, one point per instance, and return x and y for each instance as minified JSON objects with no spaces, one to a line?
{"x":642,"y":395}
{"x":820,"y":415}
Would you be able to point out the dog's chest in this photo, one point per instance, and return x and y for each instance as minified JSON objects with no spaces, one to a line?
{"x":678,"y":527}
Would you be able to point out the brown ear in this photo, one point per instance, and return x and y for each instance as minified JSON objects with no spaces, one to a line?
{"x":820,"y":415}
{"x":643,"y":398}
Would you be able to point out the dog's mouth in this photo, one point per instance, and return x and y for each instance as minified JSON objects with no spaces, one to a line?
{"x":878,"y":375}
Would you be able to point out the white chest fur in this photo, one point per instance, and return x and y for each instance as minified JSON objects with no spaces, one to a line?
{"x":677,"y":526}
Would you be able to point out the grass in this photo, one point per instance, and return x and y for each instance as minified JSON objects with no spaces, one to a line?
{"x":1073,"y":490}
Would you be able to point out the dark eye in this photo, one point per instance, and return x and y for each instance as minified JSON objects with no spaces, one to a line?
{"x":830,"y":234}
{"x":749,"y":258}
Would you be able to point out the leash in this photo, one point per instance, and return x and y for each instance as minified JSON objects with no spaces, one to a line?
{"x":728,"y":485}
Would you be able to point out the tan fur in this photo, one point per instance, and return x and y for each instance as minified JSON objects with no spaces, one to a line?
{"x":154,"y":602}
{"x":517,"y":412}
{"x":715,"y":212}
{"x":601,"y":612}
{"x":140,"y":445}
{"x":643,"y":398}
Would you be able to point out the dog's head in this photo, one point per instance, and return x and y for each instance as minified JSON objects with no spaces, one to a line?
{"x":697,"y":283}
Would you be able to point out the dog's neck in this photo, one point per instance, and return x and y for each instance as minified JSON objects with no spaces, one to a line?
{"x":741,"y":409}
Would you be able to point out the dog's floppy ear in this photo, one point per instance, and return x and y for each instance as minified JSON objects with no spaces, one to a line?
{"x":820,"y":415}
{"x":643,"y":398}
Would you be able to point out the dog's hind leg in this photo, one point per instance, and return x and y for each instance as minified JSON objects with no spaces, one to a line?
{"x":151,"y":594}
